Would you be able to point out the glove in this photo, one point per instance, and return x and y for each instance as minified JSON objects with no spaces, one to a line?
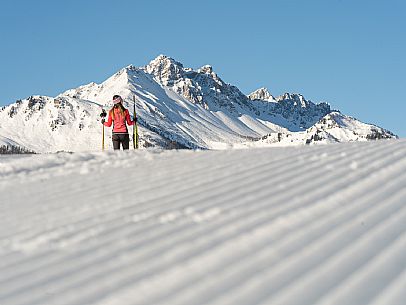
{"x":103,"y":114}
{"x":103,"y":120}
{"x":135,"y":120}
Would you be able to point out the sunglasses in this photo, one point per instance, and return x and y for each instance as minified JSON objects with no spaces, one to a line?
{"x":117,"y":100}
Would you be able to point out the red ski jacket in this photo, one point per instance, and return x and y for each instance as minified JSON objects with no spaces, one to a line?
{"x":120,"y":121}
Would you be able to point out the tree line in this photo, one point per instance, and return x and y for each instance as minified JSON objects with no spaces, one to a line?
{"x":11,"y":149}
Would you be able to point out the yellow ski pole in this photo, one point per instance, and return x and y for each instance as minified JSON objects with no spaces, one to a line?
{"x":103,"y":115}
{"x":135,"y":128}
{"x":103,"y":139}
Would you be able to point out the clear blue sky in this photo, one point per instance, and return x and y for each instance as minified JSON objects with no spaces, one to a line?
{"x":350,"y":53}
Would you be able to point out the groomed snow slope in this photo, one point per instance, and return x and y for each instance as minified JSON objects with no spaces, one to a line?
{"x":304,"y":225}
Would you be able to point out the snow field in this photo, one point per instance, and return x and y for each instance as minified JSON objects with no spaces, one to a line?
{"x":299,"y":225}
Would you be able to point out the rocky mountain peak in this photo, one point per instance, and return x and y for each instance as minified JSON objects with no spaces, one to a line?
{"x":295,"y":99}
{"x":165,"y":69}
{"x":206,"y":69}
{"x":261,"y":94}
{"x":164,"y":60}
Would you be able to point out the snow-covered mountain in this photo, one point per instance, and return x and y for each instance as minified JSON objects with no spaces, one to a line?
{"x":299,"y":113}
{"x":332,"y":128}
{"x":176,"y":107}
{"x":338,"y":127}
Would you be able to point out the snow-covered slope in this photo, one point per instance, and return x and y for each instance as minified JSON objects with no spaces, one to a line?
{"x":332,"y":128}
{"x":46,"y":124}
{"x":176,"y":106}
{"x":299,"y":225}
{"x":336,"y":127}
{"x":8,"y":142}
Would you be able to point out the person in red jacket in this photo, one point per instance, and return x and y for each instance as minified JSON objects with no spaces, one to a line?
{"x":120,"y":118}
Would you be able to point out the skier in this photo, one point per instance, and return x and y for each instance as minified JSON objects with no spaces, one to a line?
{"x":120,"y":118}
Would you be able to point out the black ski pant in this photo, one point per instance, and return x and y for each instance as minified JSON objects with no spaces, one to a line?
{"x":121,"y":138}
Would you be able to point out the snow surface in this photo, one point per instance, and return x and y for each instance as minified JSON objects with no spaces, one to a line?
{"x":294,"y":225}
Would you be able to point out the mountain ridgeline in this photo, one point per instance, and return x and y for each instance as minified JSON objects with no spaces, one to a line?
{"x":177,"y":107}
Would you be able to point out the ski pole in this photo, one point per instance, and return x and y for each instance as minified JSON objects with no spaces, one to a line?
{"x":103,"y":139}
{"x":103,"y":115}
{"x":135,"y":128}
